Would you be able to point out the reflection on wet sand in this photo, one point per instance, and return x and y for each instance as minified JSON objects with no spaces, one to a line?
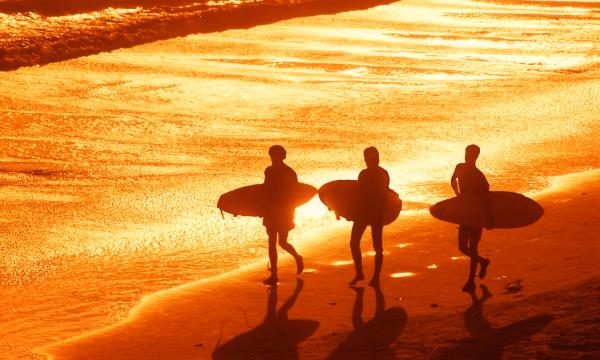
{"x":371,"y":339}
{"x":276,"y":338}
{"x":487,"y":342}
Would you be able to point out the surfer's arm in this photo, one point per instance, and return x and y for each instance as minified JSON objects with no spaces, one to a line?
{"x":385,"y":188}
{"x":269,"y":186}
{"x":454,"y":181}
{"x":268,"y":177}
{"x":387,"y":180}
{"x":361,"y":177}
{"x":487,"y":204}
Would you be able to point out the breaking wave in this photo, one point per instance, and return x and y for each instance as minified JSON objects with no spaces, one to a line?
{"x":44,"y":31}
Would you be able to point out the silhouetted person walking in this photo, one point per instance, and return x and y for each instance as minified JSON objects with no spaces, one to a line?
{"x":467,"y":178}
{"x":373,"y":183}
{"x":280,"y":183}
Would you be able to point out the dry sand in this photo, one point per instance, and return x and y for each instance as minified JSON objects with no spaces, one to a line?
{"x":553,"y":314}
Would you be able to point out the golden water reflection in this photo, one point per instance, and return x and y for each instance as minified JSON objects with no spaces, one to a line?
{"x":402,"y":275}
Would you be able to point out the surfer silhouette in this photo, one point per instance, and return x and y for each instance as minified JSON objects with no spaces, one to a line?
{"x":373,"y":184}
{"x":467,"y":178}
{"x":278,"y":219}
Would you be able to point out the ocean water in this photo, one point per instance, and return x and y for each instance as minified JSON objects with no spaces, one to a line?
{"x":111,"y":164}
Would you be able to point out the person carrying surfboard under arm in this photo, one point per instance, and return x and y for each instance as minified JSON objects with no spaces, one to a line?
{"x":373,"y":183}
{"x":467,"y":178}
{"x":278,"y":219}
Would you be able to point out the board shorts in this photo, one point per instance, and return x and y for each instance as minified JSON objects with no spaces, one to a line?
{"x":371,"y":217}
{"x":282,"y":220}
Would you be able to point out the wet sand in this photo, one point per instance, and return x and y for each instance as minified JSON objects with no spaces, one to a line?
{"x":553,"y":314}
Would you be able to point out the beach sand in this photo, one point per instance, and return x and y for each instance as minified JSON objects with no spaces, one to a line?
{"x":551,"y":310}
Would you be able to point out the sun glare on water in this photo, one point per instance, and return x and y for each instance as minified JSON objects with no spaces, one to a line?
{"x":342,"y":262}
{"x":402,"y":275}
{"x":314,"y":209}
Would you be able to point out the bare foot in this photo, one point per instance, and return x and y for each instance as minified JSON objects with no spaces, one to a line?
{"x":358,"y":289}
{"x":374,"y":282}
{"x":299,"y":264}
{"x":356,"y":279}
{"x":484,"y":265}
{"x":469,"y":286}
{"x":271,"y":280}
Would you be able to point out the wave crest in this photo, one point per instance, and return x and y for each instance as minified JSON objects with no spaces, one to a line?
{"x":28,"y":38}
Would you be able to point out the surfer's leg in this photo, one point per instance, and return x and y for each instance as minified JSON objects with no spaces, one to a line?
{"x":285,"y":245}
{"x":357,"y":231}
{"x":474,"y":236}
{"x":272,"y":256}
{"x":463,"y":240}
{"x":483,"y":262}
{"x":376,"y":233}
{"x":468,"y":240}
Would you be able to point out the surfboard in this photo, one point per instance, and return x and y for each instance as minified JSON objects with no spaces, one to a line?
{"x":509,"y":210}
{"x":341,"y":196}
{"x":249,"y":200}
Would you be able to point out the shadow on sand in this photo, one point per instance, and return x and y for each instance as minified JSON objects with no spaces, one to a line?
{"x":487,"y":342}
{"x":175,"y":19}
{"x":276,"y":338}
{"x":371,"y":339}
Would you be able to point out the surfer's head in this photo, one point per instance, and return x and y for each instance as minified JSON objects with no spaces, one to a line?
{"x":277,"y":153}
{"x":371,"y":156}
{"x":471,"y":153}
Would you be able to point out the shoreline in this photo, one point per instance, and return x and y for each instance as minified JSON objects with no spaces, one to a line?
{"x":224,"y":289}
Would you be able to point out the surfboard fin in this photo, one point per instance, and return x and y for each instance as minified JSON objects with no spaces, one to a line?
{"x":223,"y":216}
